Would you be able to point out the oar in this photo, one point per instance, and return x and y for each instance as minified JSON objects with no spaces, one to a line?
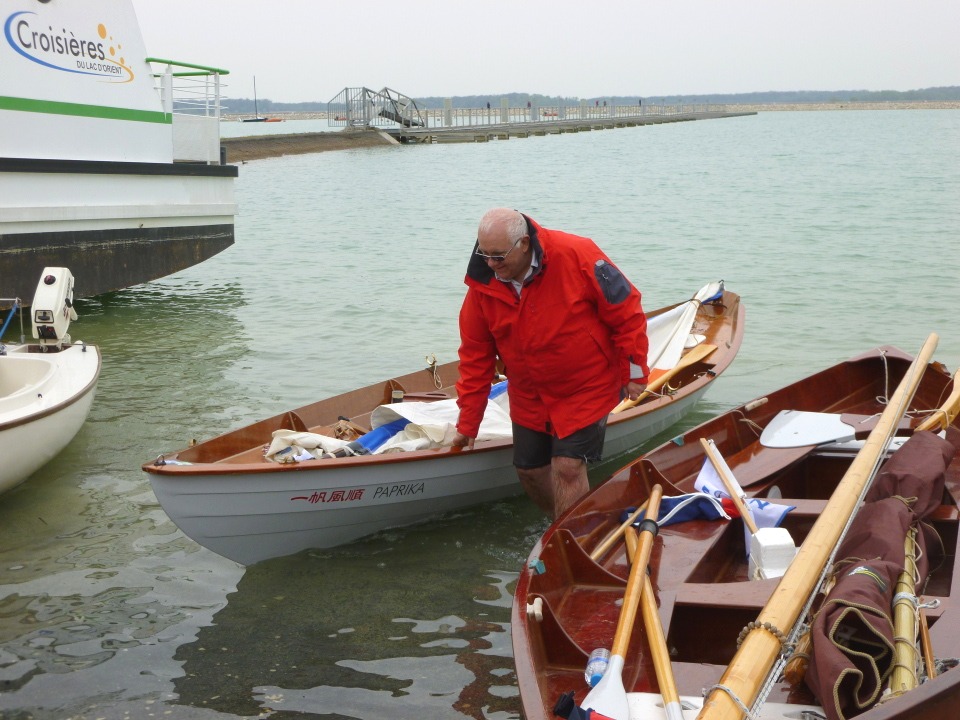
{"x":658,"y":642}
{"x":740,"y":684}
{"x":729,"y":483}
{"x":798,"y":428}
{"x":610,"y":539}
{"x":608,"y":697}
{"x":700,"y":352}
{"x":927,"y":645}
{"x":946,"y":413}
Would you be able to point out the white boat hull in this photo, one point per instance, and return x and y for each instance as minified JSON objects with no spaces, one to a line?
{"x":250,"y":517}
{"x":44,"y":400}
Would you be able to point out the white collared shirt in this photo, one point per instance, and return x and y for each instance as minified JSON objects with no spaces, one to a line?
{"x":518,"y":284}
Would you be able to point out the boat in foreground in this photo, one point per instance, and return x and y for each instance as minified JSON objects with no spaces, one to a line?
{"x":227,"y":496}
{"x":46,"y":386}
{"x":110,"y":161}
{"x":723,"y":633}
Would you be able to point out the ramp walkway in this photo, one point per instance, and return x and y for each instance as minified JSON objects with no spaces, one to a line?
{"x":399,"y":116}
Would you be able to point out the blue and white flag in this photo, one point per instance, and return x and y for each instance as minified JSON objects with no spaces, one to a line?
{"x":765,"y":514}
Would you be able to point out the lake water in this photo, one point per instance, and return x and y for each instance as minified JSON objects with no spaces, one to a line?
{"x":838,"y":229}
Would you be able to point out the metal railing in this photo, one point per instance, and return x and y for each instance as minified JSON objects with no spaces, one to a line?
{"x":474,"y":117}
{"x":194,"y":91}
{"x":363,"y":107}
{"x":193,"y":99}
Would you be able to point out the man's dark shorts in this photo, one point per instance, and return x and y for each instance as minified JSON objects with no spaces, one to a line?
{"x":533,"y":449}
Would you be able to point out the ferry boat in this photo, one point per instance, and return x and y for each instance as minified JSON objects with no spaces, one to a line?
{"x":110,"y":160}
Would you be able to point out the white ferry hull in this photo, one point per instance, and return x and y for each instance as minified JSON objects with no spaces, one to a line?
{"x":109,"y":164}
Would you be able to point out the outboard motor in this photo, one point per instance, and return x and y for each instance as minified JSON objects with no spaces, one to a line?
{"x":53,"y":307}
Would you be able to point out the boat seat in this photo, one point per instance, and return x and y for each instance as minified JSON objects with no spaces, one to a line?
{"x":292,"y":421}
{"x":389,"y":388}
{"x":750,"y":467}
{"x":430,"y":396}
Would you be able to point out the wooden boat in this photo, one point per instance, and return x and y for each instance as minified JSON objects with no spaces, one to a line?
{"x":226,"y":496}
{"x":47,"y":386}
{"x":695,"y":653}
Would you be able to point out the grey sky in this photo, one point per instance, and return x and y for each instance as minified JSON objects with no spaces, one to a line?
{"x":303,"y":50}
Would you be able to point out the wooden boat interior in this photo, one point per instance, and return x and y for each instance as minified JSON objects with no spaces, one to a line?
{"x":718,"y":323}
{"x":326,"y":417}
{"x":699,"y":568}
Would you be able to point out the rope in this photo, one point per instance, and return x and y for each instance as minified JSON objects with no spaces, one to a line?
{"x":757,"y":429}
{"x":882,"y":399}
{"x":733,"y":696}
{"x":432,"y":367}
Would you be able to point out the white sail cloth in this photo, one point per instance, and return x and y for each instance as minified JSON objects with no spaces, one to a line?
{"x":432,"y":424}
{"x":669,"y":333}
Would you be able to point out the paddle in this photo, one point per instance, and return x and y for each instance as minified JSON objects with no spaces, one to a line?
{"x":700,"y":352}
{"x":946,"y":413}
{"x":608,"y":697}
{"x":610,"y":539}
{"x":659,"y":651}
{"x":798,"y":428}
{"x":733,"y":488}
{"x":740,"y":684}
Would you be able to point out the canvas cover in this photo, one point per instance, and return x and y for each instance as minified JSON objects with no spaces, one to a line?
{"x":852,"y":652}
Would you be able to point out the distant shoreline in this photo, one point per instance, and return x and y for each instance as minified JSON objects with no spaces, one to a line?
{"x":729,"y":107}
{"x":794,"y":107}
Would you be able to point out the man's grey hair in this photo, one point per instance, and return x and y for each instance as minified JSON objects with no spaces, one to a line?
{"x":511,"y":220}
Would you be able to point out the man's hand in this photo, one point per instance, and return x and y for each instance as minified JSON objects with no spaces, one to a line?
{"x":634,"y":390}
{"x":460,"y":440}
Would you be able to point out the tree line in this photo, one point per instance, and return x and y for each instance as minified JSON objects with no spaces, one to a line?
{"x":934,"y":94}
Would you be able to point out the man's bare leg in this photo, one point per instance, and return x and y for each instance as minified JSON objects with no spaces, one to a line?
{"x":557,"y":486}
{"x":538,"y":484}
{"x":570,"y":482}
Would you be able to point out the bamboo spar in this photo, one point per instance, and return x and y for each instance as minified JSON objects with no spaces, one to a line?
{"x":740,"y":684}
{"x":904,"y":675}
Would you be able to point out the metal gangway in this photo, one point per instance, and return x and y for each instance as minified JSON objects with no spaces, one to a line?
{"x":363,"y":107}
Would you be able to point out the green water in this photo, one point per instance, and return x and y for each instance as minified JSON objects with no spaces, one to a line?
{"x":839,"y":230}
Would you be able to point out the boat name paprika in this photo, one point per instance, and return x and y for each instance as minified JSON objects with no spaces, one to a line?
{"x":389,"y":491}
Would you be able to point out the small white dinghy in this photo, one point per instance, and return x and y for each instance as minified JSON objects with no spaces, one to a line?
{"x":46,"y":386}
{"x":237,"y":495}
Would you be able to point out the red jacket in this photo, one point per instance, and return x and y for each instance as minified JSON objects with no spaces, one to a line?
{"x":566,"y":342}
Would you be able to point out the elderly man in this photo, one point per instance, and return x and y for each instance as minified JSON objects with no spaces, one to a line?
{"x":571,"y":334}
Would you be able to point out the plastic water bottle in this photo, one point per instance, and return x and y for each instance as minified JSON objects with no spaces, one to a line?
{"x":596,"y":666}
